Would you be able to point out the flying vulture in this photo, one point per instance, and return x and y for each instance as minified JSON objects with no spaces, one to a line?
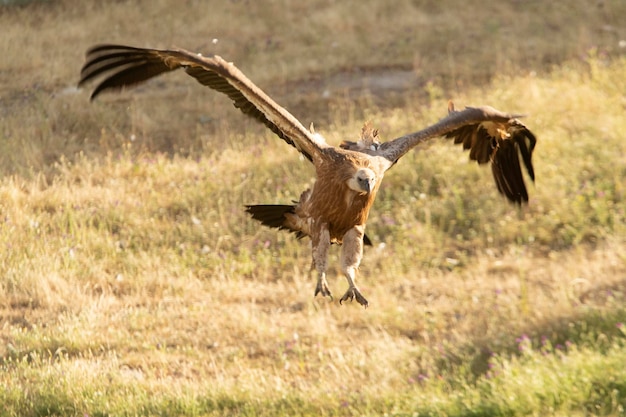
{"x":336,"y":208}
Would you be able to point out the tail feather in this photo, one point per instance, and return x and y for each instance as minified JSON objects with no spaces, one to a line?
{"x":273,"y":215}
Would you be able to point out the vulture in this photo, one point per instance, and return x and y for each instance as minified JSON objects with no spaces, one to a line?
{"x":335,"y":209}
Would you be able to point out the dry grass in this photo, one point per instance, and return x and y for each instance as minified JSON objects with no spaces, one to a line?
{"x":436,"y":48}
{"x":131,"y":282}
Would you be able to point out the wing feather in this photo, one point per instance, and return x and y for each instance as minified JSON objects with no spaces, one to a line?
{"x":525,"y":141}
{"x":490,"y":135}
{"x":124,"y":66}
{"x":508,"y":173}
{"x":463,"y":123}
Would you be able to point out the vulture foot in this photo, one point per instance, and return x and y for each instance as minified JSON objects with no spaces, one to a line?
{"x":351,"y":294}
{"x":322,"y":288}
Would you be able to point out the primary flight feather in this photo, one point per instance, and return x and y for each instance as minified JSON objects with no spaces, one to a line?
{"x":335,"y":209}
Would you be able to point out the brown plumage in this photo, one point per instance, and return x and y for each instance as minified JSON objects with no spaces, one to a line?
{"x":336,"y":208}
{"x":499,"y":143}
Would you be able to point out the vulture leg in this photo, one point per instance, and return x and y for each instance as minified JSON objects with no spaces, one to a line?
{"x":321,"y":244}
{"x":351,"y":254}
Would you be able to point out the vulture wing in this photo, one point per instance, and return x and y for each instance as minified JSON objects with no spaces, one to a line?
{"x":490,"y":135}
{"x":124,"y":66}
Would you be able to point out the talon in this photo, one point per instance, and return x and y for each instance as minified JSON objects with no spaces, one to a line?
{"x":322,"y":288}
{"x":353,"y":293}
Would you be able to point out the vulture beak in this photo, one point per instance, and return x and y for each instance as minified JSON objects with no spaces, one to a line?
{"x":366,"y":184}
{"x":363,"y":181}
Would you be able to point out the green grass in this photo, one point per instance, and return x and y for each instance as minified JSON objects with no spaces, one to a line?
{"x":133,"y":283}
{"x":578,"y":378}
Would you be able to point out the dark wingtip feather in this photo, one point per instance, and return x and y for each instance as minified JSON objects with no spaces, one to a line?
{"x":526,"y":149}
{"x":121,"y":66}
{"x":507,"y":173}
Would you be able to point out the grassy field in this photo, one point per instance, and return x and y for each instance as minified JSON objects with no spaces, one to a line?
{"x":133,"y":283}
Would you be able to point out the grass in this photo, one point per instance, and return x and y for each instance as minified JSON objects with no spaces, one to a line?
{"x":132,"y":283}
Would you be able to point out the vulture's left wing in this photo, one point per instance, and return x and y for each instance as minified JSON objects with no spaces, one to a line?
{"x":125,"y":66}
{"x":490,"y":135}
